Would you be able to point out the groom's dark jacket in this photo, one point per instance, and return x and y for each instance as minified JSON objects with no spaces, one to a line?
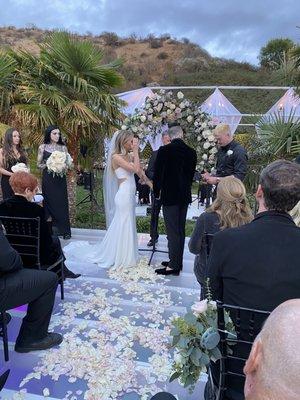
{"x":173,"y":173}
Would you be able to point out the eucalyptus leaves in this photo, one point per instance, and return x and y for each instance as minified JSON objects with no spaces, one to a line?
{"x":196,"y":339}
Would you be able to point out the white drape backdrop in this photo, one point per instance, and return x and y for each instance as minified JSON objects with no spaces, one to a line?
{"x":222,"y":110}
{"x":288,"y":104}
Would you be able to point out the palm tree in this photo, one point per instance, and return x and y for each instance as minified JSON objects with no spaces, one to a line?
{"x":7,"y":70}
{"x":66,"y":85}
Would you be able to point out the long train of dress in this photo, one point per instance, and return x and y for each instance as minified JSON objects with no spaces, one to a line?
{"x":119,"y":246}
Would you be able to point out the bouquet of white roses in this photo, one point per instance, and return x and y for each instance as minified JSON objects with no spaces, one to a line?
{"x":59,"y":163}
{"x":20,"y":167}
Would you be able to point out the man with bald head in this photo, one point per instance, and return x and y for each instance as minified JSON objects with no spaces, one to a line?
{"x":231,"y":157}
{"x":273,"y":367}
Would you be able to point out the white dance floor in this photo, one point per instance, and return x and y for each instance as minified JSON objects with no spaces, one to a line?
{"x":116,"y":335}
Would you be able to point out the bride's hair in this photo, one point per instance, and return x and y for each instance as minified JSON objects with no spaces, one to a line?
{"x":120,"y":140}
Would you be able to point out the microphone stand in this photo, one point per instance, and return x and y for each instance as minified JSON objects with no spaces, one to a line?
{"x":154,"y":249}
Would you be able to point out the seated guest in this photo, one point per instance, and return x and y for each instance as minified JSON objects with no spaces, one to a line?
{"x":273,"y":368}
{"x":257,"y":265}
{"x":19,"y":286}
{"x":25,"y":187}
{"x":229,"y":210}
{"x":295,"y":214}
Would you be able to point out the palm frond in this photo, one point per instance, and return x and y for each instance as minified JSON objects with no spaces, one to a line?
{"x":279,"y":135}
{"x":35,"y":116}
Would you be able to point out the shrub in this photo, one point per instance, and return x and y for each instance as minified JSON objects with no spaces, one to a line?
{"x":162,"y":55}
{"x":154,"y":43}
{"x":110,"y":39}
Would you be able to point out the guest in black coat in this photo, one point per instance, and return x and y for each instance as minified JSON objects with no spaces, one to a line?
{"x":156,"y":203}
{"x":257,"y":265}
{"x":19,"y":286}
{"x":25,"y":186}
{"x":173,"y":176}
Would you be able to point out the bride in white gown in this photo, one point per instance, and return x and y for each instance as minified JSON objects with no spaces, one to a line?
{"x":119,"y":246}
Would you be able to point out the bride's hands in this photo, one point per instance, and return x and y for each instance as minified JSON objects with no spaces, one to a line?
{"x":135,"y":145}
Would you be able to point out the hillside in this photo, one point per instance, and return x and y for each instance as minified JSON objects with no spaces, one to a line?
{"x":166,"y":61}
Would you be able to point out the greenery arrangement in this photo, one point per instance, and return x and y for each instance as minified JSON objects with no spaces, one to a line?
{"x":195,"y":338}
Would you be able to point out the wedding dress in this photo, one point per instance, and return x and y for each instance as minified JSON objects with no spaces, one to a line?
{"x":119,"y":246}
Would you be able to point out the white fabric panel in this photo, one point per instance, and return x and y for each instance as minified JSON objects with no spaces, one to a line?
{"x":135,"y":99}
{"x":222,"y":110}
{"x":287,"y":105}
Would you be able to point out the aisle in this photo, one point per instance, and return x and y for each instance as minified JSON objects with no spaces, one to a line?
{"x":116,"y":335}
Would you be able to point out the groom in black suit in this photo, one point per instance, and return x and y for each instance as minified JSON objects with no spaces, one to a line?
{"x":173,"y":175}
{"x":156,"y":203}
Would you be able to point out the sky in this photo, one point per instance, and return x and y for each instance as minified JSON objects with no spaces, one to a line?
{"x":235,"y":29}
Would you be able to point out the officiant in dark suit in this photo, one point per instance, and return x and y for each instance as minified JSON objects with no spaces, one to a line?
{"x":232,"y":158}
{"x":173,"y":176}
{"x":156,"y":203}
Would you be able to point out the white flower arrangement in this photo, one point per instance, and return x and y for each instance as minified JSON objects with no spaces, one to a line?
{"x":165,"y":107}
{"x":20,"y":167}
{"x":195,"y":338}
{"x":59,"y":163}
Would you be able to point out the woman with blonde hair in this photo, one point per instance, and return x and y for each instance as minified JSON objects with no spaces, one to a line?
{"x":229,"y":210}
{"x":119,"y":246}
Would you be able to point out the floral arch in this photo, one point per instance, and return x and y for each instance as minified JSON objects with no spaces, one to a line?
{"x":166,"y":107}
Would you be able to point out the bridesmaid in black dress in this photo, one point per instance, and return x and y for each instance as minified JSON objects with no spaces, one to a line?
{"x":54,"y":188}
{"x":11,"y":153}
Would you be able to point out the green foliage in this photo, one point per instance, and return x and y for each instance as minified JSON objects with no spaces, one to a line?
{"x":279,"y":136}
{"x":272,"y":53}
{"x":195,"y":338}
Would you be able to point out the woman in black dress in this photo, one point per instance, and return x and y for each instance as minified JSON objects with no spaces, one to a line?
{"x":54,"y":188}
{"x":11,"y":153}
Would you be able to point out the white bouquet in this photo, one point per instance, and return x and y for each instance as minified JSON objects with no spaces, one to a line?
{"x":20,"y":167}
{"x":59,"y":163}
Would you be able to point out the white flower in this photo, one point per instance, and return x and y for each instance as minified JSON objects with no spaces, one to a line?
{"x":204,"y":157}
{"x":172,"y":106}
{"x":180,"y":95}
{"x":204,"y":125}
{"x":20,"y":167}
{"x":182,"y":104}
{"x":213,"y":305}
{"x":199,"y":307}
{"x":159,"y":107}
{"x":229,"y":152}
{"x":189,"y":118}
{"x":169,"y":112}
{"x":123,"y":127}
{"x":143,"y":118}
{"x":46,"y":392}
{"x":206,"y":145}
